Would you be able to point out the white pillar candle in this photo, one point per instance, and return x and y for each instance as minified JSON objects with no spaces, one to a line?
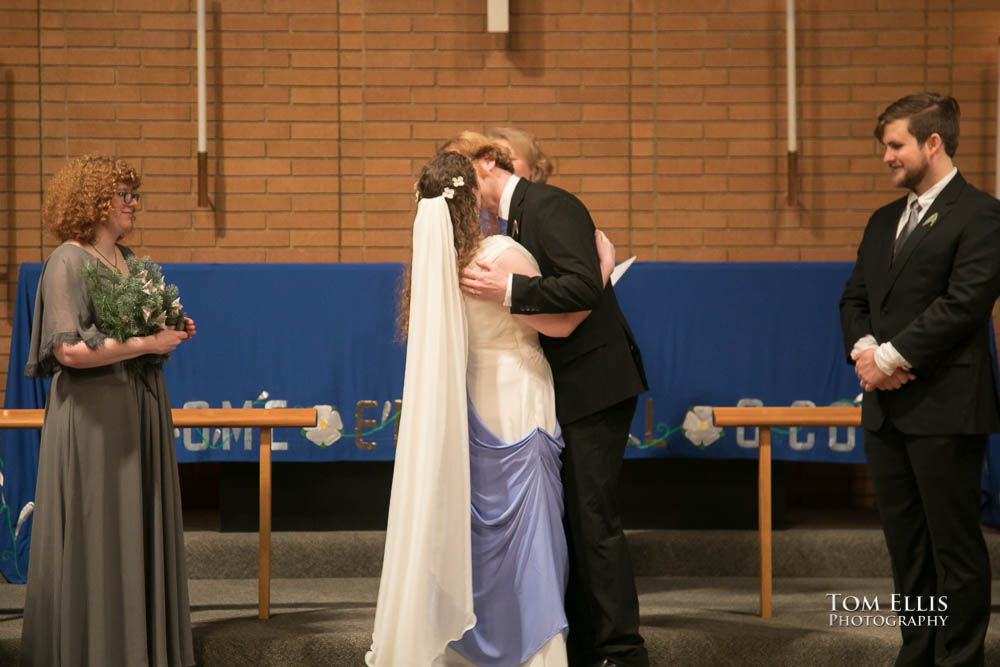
{"x":497,"y":16}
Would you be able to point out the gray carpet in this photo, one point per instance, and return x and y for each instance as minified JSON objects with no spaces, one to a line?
{"x":698,"y":596}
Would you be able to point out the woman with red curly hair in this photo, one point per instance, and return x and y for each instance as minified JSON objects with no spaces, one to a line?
{"x":107,"y":584}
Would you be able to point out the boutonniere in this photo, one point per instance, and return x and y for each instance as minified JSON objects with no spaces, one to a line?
{"x":931,"y":220}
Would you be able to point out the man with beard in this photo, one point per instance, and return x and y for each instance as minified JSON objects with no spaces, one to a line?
{"x":915,"y":313}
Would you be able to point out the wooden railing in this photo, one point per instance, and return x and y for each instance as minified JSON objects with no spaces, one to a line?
{"x":263,"y":418}
{"x":764,"y":419}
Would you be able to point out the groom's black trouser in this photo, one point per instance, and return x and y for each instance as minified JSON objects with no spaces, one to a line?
{"x":601,"y":601}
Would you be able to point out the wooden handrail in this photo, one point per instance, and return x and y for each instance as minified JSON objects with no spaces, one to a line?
{"x":194,"y":417}
{"x":832,"y":416}
{"x":263,"y":418}
{"x":765,"y":418}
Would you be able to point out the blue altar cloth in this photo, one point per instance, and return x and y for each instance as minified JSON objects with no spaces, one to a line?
{"x":323,"y":335}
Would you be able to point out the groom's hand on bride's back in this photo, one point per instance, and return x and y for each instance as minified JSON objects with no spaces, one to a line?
{"x":485,"y":280}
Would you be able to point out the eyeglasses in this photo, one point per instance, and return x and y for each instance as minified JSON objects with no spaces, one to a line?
{"x":129,"y":197}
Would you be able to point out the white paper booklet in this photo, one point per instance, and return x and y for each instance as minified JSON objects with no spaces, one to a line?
{"x":620,"y":270}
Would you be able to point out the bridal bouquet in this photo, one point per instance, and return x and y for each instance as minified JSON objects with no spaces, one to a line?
{"x":139,"y":304}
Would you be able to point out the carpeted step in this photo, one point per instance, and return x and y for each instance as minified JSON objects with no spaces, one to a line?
{"x":697,"y":621}
{"x":802,"y":552}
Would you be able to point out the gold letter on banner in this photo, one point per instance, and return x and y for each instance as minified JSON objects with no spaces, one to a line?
{"x":360,"y":424}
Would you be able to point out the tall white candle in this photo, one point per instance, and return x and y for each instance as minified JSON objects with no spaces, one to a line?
{"x":497,"y":16}
{"x":790,"y":71}
{"x":202,"y":109}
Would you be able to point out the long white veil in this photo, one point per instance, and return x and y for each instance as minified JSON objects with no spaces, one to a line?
{"x":425,"y":594}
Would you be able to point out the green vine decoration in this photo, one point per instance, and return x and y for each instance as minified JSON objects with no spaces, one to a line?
{"x":663,"y":431}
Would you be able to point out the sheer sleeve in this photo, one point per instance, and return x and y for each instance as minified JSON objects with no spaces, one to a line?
{"x":64,"y":312}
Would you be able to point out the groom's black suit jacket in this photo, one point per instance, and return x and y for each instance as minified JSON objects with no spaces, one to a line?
{"x":599,"y":364}
{"x":933,"y":302}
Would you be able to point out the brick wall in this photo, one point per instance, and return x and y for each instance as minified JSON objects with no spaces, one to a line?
{"x":667,"y":118}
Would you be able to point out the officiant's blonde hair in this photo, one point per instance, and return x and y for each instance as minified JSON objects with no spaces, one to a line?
{"x":528,"y":149}
{"x":79,"y":196}
{"x":476,"y":146}
{"x":452,"y":171}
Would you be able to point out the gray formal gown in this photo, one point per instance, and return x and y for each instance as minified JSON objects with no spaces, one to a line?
{"x":107,"y":584}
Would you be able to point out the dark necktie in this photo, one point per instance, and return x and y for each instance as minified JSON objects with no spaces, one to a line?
{"x":911,"y":224}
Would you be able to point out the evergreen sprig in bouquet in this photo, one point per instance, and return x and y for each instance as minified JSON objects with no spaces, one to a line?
{"x":139,"y":304}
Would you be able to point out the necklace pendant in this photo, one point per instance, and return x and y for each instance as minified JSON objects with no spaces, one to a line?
{"x":107,"y":262}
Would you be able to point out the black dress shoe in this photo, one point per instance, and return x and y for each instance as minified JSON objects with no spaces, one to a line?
{"x":608,"y":662}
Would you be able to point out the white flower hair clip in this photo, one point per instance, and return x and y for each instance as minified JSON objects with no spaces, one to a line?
{"x":448,"y":193}
{"x":458,"y":181}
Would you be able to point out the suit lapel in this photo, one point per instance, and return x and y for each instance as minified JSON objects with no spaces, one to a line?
{"x":517,"y":209}
{"x":880,"y":250}
{"x":936,"y":215}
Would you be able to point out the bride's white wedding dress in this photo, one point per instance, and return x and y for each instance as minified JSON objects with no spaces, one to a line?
{"x":478,"y":431}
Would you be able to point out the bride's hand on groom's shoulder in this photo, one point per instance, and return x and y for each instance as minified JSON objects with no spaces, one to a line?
{"x":485,"y":280}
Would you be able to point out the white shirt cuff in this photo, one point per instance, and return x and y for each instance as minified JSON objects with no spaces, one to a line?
{"x":888,"y":359}
{"x":864,"y":343}
{"x":510,"y":287}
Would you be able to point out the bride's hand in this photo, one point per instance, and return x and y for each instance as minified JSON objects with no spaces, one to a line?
{"x":606,"y":253}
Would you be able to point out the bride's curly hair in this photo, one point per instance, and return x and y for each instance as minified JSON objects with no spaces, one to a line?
{"x":440,"y":173}
{"x":79,"y":196}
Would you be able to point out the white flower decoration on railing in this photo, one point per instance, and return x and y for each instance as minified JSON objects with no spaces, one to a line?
{"x":699,"y":426}
{"x":329,"y":427}
{"x":448,"y":193}
{"x":458,"y":181}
